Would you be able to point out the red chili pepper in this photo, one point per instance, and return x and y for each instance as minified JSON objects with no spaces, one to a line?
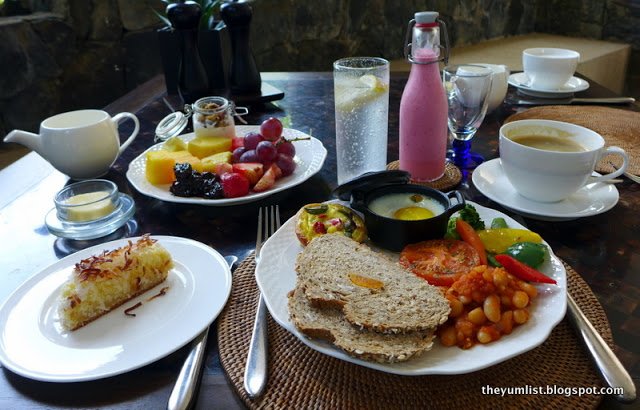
{"x":522,"y":271}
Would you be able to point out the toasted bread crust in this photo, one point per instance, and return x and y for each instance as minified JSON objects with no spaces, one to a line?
{"x":406,"y":303}
{"x":330,"y":325}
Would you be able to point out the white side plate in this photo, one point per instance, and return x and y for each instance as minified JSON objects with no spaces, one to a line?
{"x":34,"y":345}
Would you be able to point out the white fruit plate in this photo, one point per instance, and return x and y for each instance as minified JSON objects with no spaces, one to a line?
{"x":309,"y":158}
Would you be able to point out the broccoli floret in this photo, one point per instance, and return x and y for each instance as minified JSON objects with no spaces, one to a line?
{"x":468,"y":214}
{"x":451,"y":229}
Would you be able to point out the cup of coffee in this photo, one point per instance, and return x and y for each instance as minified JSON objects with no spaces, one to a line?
{"x":548,"y":161}
{"x":549,"y":68}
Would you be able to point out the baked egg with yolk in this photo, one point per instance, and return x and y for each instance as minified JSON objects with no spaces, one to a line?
{"x":406,"y":206}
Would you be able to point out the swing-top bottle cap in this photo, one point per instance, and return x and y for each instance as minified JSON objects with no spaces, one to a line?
{"x":426,"y":17}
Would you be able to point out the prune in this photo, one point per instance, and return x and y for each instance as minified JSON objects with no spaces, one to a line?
{"x":182,"y":171}
{"x":197,"y":183}
{"x":212,"y":189}
{"x":180,"y":188}
{"x":209,"y":175}
{"x":193,"y":183}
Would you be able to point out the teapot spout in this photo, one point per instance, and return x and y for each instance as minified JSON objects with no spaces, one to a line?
{"x":28,"y":139}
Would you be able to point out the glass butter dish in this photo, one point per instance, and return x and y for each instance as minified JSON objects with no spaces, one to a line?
{"x":89,"y":209}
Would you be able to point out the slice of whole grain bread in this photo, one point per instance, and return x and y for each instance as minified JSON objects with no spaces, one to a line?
{"x":330,"y":324}
{"x":405,"y":303}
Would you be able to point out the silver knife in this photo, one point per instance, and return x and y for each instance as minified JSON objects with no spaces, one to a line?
{"x":566,"y":101}
{"x":183,"y":393}
{"x":612,"y":371}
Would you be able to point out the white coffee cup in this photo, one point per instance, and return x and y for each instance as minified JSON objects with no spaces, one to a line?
{"x":545,"y":175}
{"x":499,"y":84}
{"x":549,"y":68}
{"x":81,"y":144}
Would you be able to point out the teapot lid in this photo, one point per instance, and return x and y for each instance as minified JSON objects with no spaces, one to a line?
{"x":371,"y":180}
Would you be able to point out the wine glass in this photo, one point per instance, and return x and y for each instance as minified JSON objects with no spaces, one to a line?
{"x":467,"y":88}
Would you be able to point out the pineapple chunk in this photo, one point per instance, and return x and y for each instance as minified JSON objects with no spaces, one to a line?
{"x":204,"y":147}
{"x":174,"y":144}
{"x":209,"y":163}
{"x":159,"y":167}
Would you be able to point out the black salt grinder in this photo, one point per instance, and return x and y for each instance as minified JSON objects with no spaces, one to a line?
{"x":192,"y":78}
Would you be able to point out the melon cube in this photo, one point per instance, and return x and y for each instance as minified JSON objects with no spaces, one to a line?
{"x":204,"y":147}
{"x":159,"y":166}
{"x":209,"y":163}
{"x":174,"y":144}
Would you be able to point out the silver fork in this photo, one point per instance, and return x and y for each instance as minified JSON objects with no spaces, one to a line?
{"x":632,"y":177}
{"x":255,"y":372}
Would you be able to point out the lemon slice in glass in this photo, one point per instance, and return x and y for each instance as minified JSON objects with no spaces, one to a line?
{"x":352,"y":94}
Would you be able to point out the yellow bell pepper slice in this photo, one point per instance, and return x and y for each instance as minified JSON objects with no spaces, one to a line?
{"x":498,"y":240}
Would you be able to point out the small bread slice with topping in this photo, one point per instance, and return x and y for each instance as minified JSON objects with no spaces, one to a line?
{"x":330,"y":324}
{"x":372,"y":291}
{"x":313,"y":220}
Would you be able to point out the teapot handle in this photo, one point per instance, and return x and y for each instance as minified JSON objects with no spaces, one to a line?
{"x":117,"y":119}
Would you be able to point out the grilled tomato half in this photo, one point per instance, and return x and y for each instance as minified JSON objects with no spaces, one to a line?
{"x":319,"y":219}
{"x":440,"y":261}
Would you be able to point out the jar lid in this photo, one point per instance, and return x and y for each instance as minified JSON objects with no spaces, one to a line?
{"x":371,"y":180}
{"x":171,"y":126}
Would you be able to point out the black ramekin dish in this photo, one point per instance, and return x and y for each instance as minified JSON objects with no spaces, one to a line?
{"x":395,"y":234}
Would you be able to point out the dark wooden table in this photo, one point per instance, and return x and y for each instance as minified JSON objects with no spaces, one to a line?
{"x":604,"y":249}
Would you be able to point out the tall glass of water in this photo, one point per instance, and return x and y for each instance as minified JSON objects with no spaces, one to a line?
{"x":467,"y":88}
{"x":361,"y":89}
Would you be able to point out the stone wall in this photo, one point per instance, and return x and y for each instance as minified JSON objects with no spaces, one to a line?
{"x":85,"y":53}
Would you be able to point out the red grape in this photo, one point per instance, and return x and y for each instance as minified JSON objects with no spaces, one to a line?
{"x":286,"y":164}
{"x":266,"y":151}
{"x":251,"y":140}
{"x":249,"y":156}
{"x":237,"y":153}
{"x":271,"y":129}
{"x":287,"y":148}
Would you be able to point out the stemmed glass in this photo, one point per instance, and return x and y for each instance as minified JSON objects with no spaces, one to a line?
{"x":467,"y":88}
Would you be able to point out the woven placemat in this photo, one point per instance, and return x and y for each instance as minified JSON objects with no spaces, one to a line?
{"x":451,"y":178}
{"x":301,"y":378}
{"x":617,"y":127}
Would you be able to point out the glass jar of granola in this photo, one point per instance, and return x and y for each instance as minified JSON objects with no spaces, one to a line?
{"x":213,"y":117}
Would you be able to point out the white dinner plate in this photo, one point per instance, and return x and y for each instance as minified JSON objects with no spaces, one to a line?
{"x":521,"y":82}
{"x":33,"y":343}
{"x":592,"y":199}
{"x":276,"y":276}
{"x":310,"y":155}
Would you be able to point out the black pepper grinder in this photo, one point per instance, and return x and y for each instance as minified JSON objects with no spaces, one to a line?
{"x":192,"y":78}
{"x":244,"y":77}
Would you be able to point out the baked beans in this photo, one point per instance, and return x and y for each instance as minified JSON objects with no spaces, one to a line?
{"x":486,"y":303}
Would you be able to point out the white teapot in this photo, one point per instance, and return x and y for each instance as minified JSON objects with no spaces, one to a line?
{"x":82,"y":144}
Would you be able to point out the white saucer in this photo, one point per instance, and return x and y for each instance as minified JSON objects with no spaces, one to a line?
{"x":593,"y":199}
{"x":521,"y":82}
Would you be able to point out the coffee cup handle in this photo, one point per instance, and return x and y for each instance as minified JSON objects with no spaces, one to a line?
{"x":618,"y":172}
{"x":117,"y":119}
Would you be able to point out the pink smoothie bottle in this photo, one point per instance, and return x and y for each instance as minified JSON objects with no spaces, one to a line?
{"x":423,"y":107}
